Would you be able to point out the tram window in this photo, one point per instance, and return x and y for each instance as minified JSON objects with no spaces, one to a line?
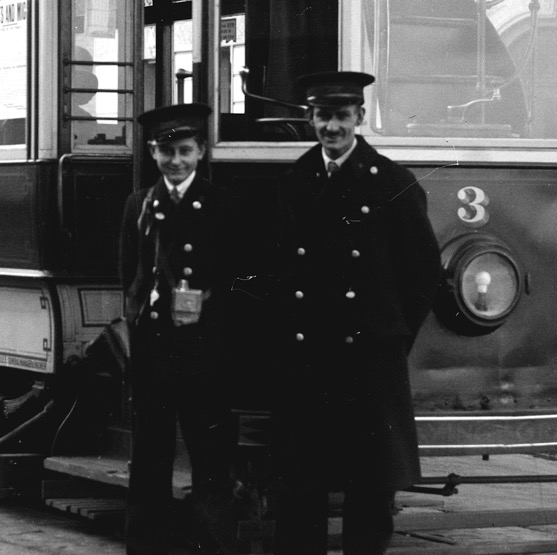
{"x":277,"y":41}
{"x":149,"y":68}
{"x":470,"y":69}
{"x":99,"y":84}
{"x":182,"y":41}
{"x":232,"y":61}
{"x":13,"y":72}
{"x":183,"y":57}
{"x":463,"y":68}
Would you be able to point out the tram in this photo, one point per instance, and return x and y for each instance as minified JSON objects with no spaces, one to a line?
{"x":465,"y":96}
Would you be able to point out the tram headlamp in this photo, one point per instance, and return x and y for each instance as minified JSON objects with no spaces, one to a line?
{"x":481,"y":284}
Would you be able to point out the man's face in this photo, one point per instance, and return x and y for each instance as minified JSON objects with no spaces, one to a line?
{"x":177,"y":159}
{"x":335,"y":127}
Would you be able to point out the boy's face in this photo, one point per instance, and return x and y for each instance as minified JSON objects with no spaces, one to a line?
{"x":335,"y":127}
{"x":177,"y":159}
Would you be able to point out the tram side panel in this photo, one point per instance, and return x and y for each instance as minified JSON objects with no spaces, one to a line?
{"x":484,"y":365}
{"x":90,"y":208}
{"x":68,"y":222}
{"x":58,"y":290}
{"x":28,"y":233}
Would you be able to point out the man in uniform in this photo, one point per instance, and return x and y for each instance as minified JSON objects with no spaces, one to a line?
{"x":359,"y":266}
{"x":176,"y":274}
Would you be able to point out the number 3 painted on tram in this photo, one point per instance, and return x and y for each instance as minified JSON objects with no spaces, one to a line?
{"x":474,"y":213}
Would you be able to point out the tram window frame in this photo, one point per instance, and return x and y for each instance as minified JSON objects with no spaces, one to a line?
{"x":21,"y":150}
{"x":354,"y":55}
{"x":74,"y":64}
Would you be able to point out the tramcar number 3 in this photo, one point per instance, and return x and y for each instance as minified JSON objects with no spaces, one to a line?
{"x":474,"y":212}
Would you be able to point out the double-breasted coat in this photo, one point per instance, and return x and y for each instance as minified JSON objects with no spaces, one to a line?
{"x":359,"y":268}
{"x":178,"y":373}
{"x":193,"y":246}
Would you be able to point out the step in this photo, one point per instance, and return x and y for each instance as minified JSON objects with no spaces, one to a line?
{"x":110,"y":471}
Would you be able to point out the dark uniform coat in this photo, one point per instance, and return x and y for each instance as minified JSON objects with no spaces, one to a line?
{"x":360,"y":267}
{"x":178,"y":373}
{"x":193,"y":246}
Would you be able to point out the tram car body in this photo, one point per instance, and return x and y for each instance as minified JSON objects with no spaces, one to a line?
{"x":66,"y":142}
{"x":465,"y":96}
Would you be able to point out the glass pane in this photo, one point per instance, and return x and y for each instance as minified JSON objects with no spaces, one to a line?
{"x":489,"y":285}
{"x":277,"y":41}
{"x":13,"y":72}
{"x":100,"y":41}
{"x":232,"y":61}
{"x":182,"y":39}
{"x":183,"y":59}
{"x":463,"y":68}
{"x":149,"y":65}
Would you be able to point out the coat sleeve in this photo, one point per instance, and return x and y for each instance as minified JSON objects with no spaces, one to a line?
{"x":414,"y":249}
{"x":129,"y":242}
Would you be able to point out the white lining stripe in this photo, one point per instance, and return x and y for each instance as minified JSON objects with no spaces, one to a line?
{"x":487,"y":418}
{"x":486,"y":445}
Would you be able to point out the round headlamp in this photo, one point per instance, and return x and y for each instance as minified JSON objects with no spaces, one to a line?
{"x":481,"y":284}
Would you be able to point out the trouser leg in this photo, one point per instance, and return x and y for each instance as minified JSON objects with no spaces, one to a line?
{"x":207,"y":429}
{"x":150,"y":487}
{"x":302,"y":520}
{"x":367,"y":521}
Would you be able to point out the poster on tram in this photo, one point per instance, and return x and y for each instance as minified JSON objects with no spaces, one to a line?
{"x":13,"y":60}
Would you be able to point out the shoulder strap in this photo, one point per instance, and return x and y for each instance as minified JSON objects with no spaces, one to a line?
{"x":145,"y":208}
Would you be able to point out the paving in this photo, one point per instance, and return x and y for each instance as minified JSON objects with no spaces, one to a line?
{"x":35,"y":529}
{"x":481,"y":519}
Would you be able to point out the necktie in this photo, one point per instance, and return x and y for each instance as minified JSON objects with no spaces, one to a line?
{"x":332,"y":168}
{"x":175,"y":196}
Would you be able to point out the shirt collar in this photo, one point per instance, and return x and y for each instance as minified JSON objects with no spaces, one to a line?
{"x":341,"y":159}
{"x":181,"y":187}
